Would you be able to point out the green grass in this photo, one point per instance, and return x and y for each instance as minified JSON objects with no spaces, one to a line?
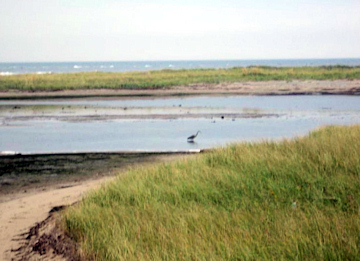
{"x":168,"y":78}
{"x":289,"y":200}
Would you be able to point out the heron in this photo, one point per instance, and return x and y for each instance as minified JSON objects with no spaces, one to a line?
{"x":192,"y":137}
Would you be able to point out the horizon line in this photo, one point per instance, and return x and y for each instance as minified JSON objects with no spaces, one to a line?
{"x":183,"y":60}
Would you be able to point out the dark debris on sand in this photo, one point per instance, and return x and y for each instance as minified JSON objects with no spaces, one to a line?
{"x":46,"y":241}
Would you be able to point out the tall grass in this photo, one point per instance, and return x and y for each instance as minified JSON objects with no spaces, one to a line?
{"x":289,"y":200}
{"x":168,"y":78}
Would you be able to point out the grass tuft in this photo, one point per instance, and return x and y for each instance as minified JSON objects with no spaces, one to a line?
{"x":292,"y":200}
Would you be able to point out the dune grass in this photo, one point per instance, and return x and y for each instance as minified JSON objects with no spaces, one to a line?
{"x":168,"y":78}
{"x":292,"y":200}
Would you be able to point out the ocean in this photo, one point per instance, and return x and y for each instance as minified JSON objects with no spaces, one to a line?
{"x":121,"y":66}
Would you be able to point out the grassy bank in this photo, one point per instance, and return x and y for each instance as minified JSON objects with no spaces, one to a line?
{"x":168,"y":78}
{"x":293,"y":200}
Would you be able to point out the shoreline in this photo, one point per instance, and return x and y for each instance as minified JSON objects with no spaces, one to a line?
{"x":26,"y":203}
{"x":30,"y":204}
{"x":294,"y":87}
{"x":25,"y":173}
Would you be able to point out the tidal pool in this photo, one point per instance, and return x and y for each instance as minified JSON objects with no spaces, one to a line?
{"x":287,"y":117}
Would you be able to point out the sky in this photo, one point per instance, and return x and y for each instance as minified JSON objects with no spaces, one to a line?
{"x":117,"y":30}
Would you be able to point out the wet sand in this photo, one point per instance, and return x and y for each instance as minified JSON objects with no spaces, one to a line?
{"x":10,"y":113}
{"x":296,"y":87}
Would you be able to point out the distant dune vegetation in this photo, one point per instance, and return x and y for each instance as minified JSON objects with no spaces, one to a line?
{"x":297,"y":199}
{"x":168,"y":78}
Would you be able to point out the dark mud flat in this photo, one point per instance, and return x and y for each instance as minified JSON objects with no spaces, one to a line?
{"x":21,"y":173}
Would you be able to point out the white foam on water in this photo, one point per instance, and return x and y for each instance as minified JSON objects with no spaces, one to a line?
{"x":6,"y":73}
{"x":147,"y":66}
{"x":9,"y":152}
{"x":77,"y":66}
{"x":41,"y":72}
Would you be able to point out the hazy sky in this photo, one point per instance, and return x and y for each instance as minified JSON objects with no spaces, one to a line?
{"x":117,"y":30}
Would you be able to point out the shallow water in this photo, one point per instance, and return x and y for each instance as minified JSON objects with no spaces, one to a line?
{"x":295,"y":115}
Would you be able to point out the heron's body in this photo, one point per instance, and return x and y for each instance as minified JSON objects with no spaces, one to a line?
{"x":192,"y":137}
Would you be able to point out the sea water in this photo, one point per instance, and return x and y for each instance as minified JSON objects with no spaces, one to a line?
{"x":124,"y":66}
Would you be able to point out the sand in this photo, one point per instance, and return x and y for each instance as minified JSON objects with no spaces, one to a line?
{"x":18,"y":215}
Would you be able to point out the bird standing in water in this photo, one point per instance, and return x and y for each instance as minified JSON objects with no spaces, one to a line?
{"x":192,"y":137}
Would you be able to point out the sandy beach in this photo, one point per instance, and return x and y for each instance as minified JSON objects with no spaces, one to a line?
{"x":22,"y":212}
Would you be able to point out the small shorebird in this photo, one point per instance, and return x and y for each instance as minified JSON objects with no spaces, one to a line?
{"x":192,"y":137}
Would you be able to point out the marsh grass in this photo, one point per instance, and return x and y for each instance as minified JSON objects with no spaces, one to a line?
{"x":168,"y":78}
{"x":292,"y":200}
